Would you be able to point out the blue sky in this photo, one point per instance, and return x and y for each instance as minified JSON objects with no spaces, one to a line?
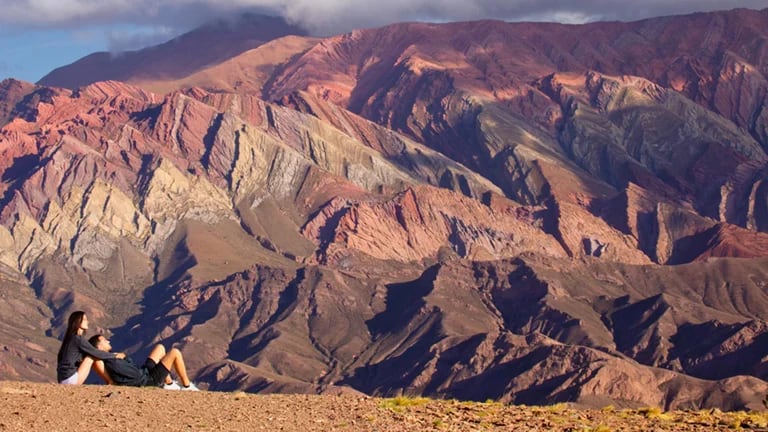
{"x":36,"y":36}
{"x":28,"y":55}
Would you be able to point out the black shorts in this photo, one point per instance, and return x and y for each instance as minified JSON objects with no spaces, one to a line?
{"x":156,"y":372}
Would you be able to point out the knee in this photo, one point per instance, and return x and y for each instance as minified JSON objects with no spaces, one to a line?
{"x":160,"y":348}
{"x":176,"y":352}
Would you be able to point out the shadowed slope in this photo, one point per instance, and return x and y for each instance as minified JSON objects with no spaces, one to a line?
{"x":178,"y":58}
{"x":529,"y":330}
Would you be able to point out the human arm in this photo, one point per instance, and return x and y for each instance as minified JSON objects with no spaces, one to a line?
{"x":86,"y":348}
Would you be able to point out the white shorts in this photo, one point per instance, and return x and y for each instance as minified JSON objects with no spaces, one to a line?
{"x":70,"y":380}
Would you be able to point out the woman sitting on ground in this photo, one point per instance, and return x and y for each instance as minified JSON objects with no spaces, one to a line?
{"x":77,"y":356}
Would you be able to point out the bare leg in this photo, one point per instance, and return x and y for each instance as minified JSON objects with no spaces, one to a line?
{"x":157,"y":353}
{"x":84,"y":369}
{"x":98,"y":365}
{"x":174,"y":360}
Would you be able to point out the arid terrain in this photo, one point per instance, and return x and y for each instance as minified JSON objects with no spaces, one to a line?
{"x":531,"y":213}
{"x":28,"y":406}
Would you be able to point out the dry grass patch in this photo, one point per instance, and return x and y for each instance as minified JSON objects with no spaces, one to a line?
{"x":655,"y":413}
{"x":744,"y":419}
{"x":401,"y":402}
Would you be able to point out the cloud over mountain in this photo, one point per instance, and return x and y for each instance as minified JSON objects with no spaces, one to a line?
{"x":333,"y":16}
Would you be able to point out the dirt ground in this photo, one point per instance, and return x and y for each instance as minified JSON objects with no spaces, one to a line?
{"x":52,"y":407}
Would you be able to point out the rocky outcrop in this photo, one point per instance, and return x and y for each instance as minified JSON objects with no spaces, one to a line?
{"x":29,"y":357}
{"x":12,"y":94}
{"x":722,"y":240}
{"x":98,"y":180}
{"x":637,"y":112}
{"x":624,"y":131}
{"x":417,"y":223}
{"x":511,"y":330}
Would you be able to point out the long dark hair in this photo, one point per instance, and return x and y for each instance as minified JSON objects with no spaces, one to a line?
{"x":75,"y":320}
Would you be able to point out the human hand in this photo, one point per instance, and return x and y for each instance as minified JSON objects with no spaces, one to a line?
{"x":120,"y":355}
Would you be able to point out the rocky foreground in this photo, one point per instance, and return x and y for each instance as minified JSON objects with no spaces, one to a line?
{"x":35,"y":406}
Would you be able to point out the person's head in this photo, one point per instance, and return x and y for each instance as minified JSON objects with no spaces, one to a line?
{"x":100,"y":342}
{"x":78,"y":323}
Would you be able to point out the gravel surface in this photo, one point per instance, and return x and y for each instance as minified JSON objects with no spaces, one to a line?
{"x":52,"y":407}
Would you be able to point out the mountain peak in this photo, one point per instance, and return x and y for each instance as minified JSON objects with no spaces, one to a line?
{"x":184,"y":55}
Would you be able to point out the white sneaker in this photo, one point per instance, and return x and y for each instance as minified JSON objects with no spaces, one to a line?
{"x":172,"y":386}
{"x":190,"y":387}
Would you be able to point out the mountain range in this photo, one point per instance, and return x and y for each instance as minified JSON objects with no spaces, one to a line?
{"x":528,"y":212}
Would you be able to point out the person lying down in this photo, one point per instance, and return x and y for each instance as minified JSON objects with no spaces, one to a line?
{"x":156,"y":370}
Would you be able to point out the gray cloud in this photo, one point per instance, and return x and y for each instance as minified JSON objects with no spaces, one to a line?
{"x":132,"y":39}
{"x":323,"y":17}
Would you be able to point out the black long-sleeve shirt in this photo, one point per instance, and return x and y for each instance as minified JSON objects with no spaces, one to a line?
{"x":125,"y":372}
{"x":72,"y":353}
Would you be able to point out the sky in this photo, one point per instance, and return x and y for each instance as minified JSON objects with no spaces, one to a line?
{"x":36,"y":36}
